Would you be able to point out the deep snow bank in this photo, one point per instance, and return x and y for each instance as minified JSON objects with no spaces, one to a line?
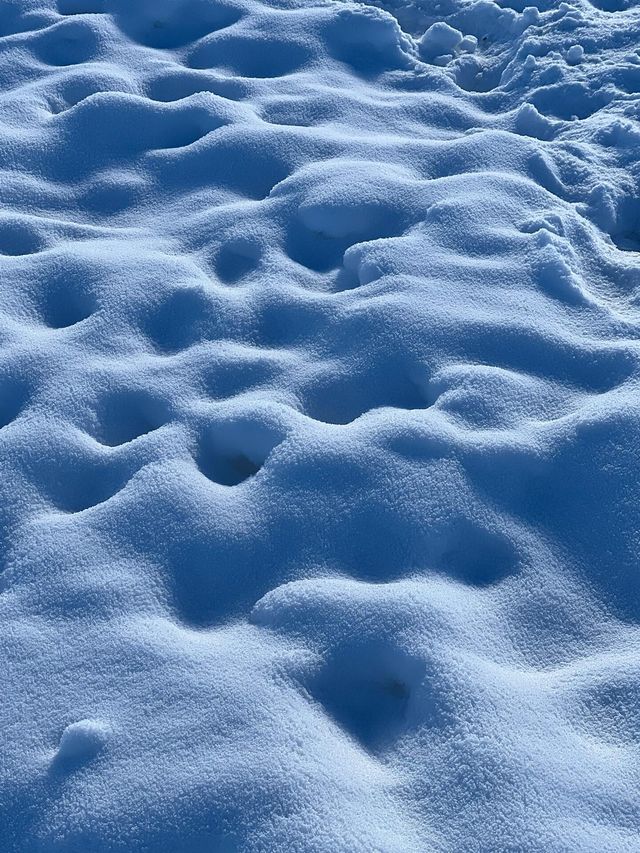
{"x":319,"y":426}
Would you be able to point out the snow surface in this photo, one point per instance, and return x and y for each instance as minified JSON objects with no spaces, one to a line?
{"x":320,"y":416}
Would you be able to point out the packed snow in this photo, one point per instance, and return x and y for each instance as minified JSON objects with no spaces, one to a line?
{"x":319,"y":426}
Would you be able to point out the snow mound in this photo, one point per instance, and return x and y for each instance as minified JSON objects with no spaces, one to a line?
{"x":319,"y":417}
{"x":82,"y":740}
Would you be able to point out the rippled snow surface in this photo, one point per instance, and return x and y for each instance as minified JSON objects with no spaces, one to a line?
{"x":320,"y":426}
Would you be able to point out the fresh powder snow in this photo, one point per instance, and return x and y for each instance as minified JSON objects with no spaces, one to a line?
{"x":319,"y":426}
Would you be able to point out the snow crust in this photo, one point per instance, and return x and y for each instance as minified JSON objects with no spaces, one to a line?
{"x":319,"y":426}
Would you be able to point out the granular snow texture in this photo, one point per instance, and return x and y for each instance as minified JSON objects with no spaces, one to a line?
{"x":320,"y":426}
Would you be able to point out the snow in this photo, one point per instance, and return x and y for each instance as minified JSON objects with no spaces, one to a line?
{"x":319,"y":426}
{"x":82,"y":740}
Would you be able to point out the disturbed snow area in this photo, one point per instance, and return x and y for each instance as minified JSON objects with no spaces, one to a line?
{"x":319,"y":362}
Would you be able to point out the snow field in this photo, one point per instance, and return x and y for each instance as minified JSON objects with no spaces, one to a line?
{"x":318,"y":426}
